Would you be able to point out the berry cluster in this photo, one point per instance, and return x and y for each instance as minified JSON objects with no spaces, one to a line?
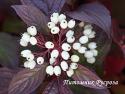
{"x":61,"y":58}
{"x":58,"y":23}
{"x":29,"y":37}
{"x":88,"y":51}
{"x":61,"y":20}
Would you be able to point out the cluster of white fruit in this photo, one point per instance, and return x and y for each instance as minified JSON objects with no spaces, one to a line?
{"x":29,"y":37}
{"x":90,"y":51}
{"x":31,"y":63}
{"x":61,"y":59}
{"x":64,"y":64}
{"x":56,"y":20}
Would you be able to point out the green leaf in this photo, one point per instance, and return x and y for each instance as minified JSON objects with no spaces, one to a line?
{"x":8,"y":50}
{"x":14,"y":26}
{"x":104,"y":44}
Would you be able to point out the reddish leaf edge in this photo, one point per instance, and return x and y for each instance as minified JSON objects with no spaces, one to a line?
{"x":83,"y":74}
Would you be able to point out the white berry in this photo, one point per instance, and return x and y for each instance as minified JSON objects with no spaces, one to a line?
{"x":52,"y":60}
{"x":54,"y":18}
{"x":55,"y":14}
{"x":71,"y":24}
{"x":88,"y":54}
{"x":91,"y":60}
{"x":54,"y":53}
{"x":33,"y":41}
{"x":81,"y":24}
{"x":32,"y":30}
{"x":70,"y":72}
{"x":88,"y":26}
{"x":92,"y":35}
{"x":31,"y":64}
{"x":74,"y":66}
{"x":75,"y":58}
{"x":66,"y":47}
{"x":51,"y":25}
{"x":57,"y":70}
{"x":82,"y":50}
{"x":26,"y":64}
{"x":92,"y":45}
{"x":69,"y":33}
{"x":64,"y":65}
{"x":30,"y":57}
{"x":50,"y":70}
{"x":76,"y":46}
{"x":63,"y":24}
{"x":87,"y":32}
{"x":55,"y":30}
{"x":61,"y":17}
{"x":95,"y":52}
{"x":25,"y":53}
{"x":65,"y":55}
{"x":23,"y":43}
{"x":83,"y":39}
{"x":40,"y":60}
{"x":49,"y":45}
{"x":26,"y":37}
{"x":71,"y":39}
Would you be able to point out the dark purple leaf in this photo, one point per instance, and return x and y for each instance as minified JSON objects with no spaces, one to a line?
{"x":8,"y":51}
{"x":97,"y":91}
{"x":55,"y":5}
{"x":56,"y":87}
{"x":26,"y":81}
{"x":47,"y":6}
{"x":84,"y":74}
{"x":94,"y":13}
{"x":33,"y":92}
{"x":84,"y":90}
{"x":27,"y":2}
{"x":37,"y":3}
{"x":5,"y":79}
{"x":31,"y":16}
